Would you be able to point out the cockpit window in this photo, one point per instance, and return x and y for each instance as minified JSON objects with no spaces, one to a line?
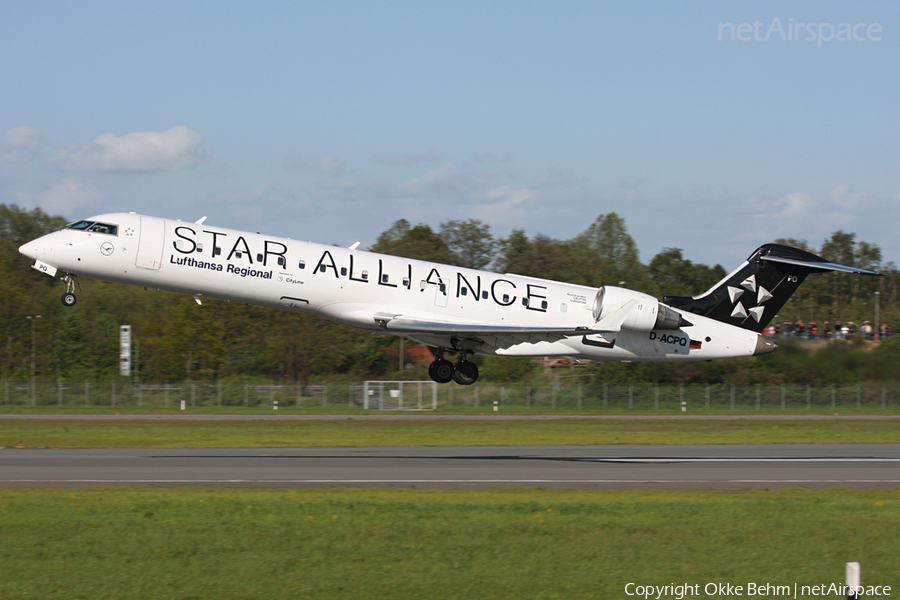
{"x":95,"y":227}
{"x":104,"y":228}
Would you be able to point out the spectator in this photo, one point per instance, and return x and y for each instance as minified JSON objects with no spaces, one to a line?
{"x":866,"y":330}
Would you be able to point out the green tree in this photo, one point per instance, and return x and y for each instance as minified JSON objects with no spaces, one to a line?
{"x":18,"y":225}
{"x":514,"y":253}
{"x":605,"y":254}
{"x":470,"y":241}
{"x":418,"y":242}
{"x":674,"y":275}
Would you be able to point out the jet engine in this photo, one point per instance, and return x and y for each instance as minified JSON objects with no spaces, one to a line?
{"x":618,"y":308}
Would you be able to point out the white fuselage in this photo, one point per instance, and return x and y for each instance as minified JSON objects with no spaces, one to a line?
{"x":350,"y":286}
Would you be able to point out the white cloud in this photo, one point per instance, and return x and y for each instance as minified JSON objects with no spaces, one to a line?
{"x":19,"y":142}
{"x":264,"y":203}
{"x":794,"y":207}
{"x":450,"y":178}
{"x":65,"y":197}
{"x":177,"y":148}
{"x":323,"y":165}
{"x":846,"y":199}
{"x":506,"y":206}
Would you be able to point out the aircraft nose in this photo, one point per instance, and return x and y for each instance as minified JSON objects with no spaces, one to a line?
{"x":38,"y":248}
{"x":31,"y":249}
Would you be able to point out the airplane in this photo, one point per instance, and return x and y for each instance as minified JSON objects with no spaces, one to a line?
{"x":454,"y":310}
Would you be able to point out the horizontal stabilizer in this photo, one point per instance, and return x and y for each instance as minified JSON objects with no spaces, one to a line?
{"x":817,"y":265}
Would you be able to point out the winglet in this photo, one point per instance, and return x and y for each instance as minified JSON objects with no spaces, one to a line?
{"x":200,"y":220}
{"x":354,"y":246}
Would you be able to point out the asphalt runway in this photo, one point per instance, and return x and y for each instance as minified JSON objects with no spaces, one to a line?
{"x":726,"y":467}
{"x":418,"y":416}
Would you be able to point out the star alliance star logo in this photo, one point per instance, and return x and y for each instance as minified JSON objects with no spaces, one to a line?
{"x":129,"y":232}
{"x":749,"y":285}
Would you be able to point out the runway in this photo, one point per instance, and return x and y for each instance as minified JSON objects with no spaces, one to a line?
{"x":726,"y":467}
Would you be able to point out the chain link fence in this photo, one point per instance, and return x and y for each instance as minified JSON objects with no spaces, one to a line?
{"x":593,"y":397}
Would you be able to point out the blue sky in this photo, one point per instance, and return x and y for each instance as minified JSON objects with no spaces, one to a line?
{"x":328,"y":121}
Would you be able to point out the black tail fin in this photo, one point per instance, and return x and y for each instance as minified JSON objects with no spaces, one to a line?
{"x":752,"y":294}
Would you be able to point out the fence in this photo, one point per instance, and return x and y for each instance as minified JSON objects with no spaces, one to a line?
{"x":598,"y":396}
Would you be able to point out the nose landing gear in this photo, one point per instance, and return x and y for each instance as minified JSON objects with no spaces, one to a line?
{"x":464,"y":372}
{"x":68,"y":299}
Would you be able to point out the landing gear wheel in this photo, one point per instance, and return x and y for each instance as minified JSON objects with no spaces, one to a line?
{"x":465,"y":373}
{"x":68,"y":298}
{"x":441,"y":370}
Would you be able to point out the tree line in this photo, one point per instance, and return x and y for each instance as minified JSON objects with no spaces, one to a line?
{"x":179,"y":340}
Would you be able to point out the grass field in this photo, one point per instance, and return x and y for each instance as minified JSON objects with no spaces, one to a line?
{"x":411,"y":432}
{"x":220,"y":544}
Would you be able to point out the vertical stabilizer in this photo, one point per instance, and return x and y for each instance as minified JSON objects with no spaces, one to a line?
{"x":751,"y":295}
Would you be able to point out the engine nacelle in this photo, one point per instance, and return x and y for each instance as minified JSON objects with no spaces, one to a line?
{"x":642,"y":313}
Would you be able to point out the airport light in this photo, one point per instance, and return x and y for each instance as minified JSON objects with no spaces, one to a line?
{"x":33,"y":320}
{"x":877,"y":311}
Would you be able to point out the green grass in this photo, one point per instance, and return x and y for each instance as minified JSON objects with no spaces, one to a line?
{"x":483,"y":409}
{"x":397,"y":544}
{"x":123,"y":433}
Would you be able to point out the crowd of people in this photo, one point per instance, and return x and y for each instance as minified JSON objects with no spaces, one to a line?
{"x":840,"y":331}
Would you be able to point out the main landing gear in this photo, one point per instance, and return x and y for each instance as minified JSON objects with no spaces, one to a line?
{"x":68,"y":299}
{"x":464,"y":372}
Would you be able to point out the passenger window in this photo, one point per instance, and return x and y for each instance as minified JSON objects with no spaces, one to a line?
{"x":259,"y":257}
{"x":384,"y":278}
{"x":302,"y":264}
{"x":322,"y":268}
{"x":544,"y":304}
{"x":365,"y":275}
{"x":484,"y":295}
{"x":524,"y":301}
{"x":343,"y":271}
{"x":199,"y":247}
{"x":443,"y":287}
{"x":563,"y":307}
{"x":406,"y":282}
{"x":280,"y":261}
{"x":463,"y":291}
{"x":217,"y":251}
{"x":239,"y":254}
{"x":505,"y":298}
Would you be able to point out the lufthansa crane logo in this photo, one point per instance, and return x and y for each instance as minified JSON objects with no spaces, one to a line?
{"x":106,"y":248}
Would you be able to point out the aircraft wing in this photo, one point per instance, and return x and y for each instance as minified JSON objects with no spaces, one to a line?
{"x":399,"y":323}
